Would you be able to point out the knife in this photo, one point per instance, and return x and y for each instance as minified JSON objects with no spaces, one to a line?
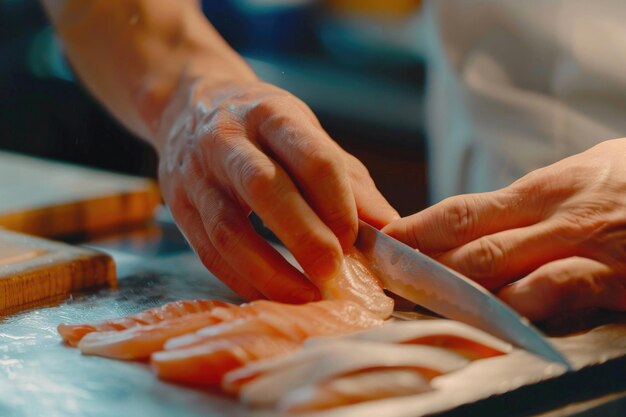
{"x":424,"y":281}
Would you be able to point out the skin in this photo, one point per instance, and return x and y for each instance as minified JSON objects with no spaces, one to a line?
{"x":551,"y":242}
{"x":228,"y":143}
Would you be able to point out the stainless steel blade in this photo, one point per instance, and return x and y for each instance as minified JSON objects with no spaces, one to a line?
{"x":424,"y":281}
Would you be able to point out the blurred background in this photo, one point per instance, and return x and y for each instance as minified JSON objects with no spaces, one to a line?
{"x":358,"y":64}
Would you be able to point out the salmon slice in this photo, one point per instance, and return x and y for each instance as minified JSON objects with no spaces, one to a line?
{"x":317,"y":363}
{"x":466,"y":340}
{"x":245,"y":325}
{"x":357,"y":282}
{"x":234,"y":381}
{"x":73,"y":333}
{"x":293,"y":322}
{"x":363,"y":386}
{"x":207,"y":363}
{"x":139,"y":342}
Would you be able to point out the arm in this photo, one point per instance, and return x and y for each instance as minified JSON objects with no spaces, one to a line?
{"x":133,"y":55}
{"x":227,"y":143}
{"x":552,"y":241}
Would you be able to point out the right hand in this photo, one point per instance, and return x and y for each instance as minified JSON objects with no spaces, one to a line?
{"x":552,"y":242}
{"x":253,"y":147}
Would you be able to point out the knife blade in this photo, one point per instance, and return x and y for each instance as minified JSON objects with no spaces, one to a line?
{"x":424,"y":281}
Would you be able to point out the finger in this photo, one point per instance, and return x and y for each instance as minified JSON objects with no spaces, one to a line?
{"x":495,"y":260}
{"x":313,"y":161}
{"x":462,"y":219}
{"x":268,"y":190}
{"x":191,"y":225}
{"x":244,"y":250}
{"x":372,"y":207}
{"x":565,"y":285}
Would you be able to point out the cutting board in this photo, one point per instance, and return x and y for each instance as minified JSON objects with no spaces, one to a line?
{"x":50,"y":199}
{"x":34,"y":269}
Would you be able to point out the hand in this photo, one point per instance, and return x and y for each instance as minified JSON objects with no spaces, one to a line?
{"x":553,"y":241}
{"x":252,"y":146}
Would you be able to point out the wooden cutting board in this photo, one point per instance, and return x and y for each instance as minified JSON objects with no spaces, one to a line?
{"x":47,"y":198}
{"x":34,"y":269}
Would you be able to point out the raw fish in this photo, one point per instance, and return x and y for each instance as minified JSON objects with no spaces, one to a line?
{"x":244,"y":325}
{"x":294,"y":322}
{"x":459,"y":337}
{"x":317,"y":363}
{"x":73,"y":333}
{"x":140,"y":342}
{"x":256,"y":350}
{"x":207,"y":363}
{"x":357,"y":282}
{"x":368,"y":385}
{"x":233,"y":381}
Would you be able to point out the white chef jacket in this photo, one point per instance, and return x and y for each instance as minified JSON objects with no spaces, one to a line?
{"x":514,"y":85}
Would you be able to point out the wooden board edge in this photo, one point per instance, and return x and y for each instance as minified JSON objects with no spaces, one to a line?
{"x":80,"y":217}
{"x":38,"y":284}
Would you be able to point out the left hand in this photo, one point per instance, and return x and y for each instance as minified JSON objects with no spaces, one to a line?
{"x":247,"y":145}
{"x":553,"y":241}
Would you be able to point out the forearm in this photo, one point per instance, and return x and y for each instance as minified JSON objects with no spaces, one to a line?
{"x":136,"y":55}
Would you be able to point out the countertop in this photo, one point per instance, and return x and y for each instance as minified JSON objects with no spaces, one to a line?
{"x":40,"y":376}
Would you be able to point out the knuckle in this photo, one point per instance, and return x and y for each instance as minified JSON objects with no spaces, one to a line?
{"x":459,"y":216}
{"x":539,"y":189}
{"x":579,"y":224}
{"x":343,"y":222}
{"x":278,"y":114}
{"x":567,"y":286}
{"x":308,"y":240}
{"x":321,"y":162}
{"x":528,"y":184}
{"x":341,"y":219}
{"x":282,"y":127}
{"x":221,"y":129}
{"x":274,"y":103}
{"x":569,"y":289}
{"x":258,"y":179}
{"x":487,"y":260}
{"x":312,"y":245}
